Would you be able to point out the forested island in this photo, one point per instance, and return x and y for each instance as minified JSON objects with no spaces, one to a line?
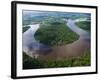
{"x":53,"y":31}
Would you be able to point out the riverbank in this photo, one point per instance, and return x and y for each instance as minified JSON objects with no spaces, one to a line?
{"x":30,"y":63}
{"x":72,"y":51}
{"x":56,"y":52}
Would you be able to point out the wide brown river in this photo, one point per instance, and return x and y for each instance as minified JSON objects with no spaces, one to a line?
{"x":38,"y":50}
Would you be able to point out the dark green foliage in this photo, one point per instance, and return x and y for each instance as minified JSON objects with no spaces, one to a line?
{"x":86,"y":25}
{"x":25,"y":28}
{"x":54,"y":31}
{"x":30,"y":63}
{"x":84,"y":60}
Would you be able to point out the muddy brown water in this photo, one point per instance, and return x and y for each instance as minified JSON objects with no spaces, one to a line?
{"x":74,"y":49}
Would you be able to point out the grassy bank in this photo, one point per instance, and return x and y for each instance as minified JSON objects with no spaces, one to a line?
{"x":86,"y":25}
{"x":54,"y":31}
{"x":30,"y":63}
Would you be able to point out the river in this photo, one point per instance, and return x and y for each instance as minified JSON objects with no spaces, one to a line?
{"x":30,"y":45}
{"x":35,"y":49}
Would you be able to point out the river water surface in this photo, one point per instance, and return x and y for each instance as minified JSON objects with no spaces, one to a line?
{"x":33,"y":48}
